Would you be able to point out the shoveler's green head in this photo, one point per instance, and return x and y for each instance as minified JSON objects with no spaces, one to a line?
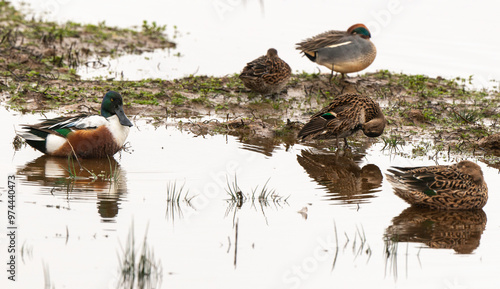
{"x":112,"y":104}
{"x":359,"y":29}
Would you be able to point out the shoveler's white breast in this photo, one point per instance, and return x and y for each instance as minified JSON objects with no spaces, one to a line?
{"x":119,"y":131}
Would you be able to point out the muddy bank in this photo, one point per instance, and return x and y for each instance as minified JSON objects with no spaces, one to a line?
{"x":34,"y":50}
{"x":417,"y":107}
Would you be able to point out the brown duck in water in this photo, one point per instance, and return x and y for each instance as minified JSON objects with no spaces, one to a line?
{"x":267,"y":74}
{"x":458,"y":186}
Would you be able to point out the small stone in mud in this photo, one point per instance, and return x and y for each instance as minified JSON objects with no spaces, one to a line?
{"x":49,"y":52}
{"x":416,"y":115}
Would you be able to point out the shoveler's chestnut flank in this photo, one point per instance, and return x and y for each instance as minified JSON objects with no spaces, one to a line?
{"x":267,"y":74}
{"x":344,"y":116}
{"x":82,"y":135}
{"x":460,"y":186}
{"x":341,"y":51}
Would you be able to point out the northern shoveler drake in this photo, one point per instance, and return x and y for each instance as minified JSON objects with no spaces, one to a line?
{"x":347,"y":114}
{"x":341,"y":51}
{"x":267,"y":74}
{"x":85,"y":136}
{"x":460,"y":186}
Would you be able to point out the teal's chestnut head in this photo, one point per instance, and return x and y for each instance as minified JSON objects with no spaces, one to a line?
{"x":359,"y":29}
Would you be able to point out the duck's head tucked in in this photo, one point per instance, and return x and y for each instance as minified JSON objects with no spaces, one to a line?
{"x":471,"y":169}
{"x":374,"y":127}
{"x":86,"y":136}
{"x":359,"y":29}
{"x":272,"y":52}
{"x":267,"y":74}
{"x":344,"y":116}
{"x":341,"y":51}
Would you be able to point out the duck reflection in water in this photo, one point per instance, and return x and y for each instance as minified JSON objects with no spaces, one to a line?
{"x":342,"y":176}
{"x":81,"y":180}
{"x":459,"y":230}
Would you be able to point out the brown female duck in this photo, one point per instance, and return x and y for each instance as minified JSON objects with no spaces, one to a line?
{"x":267,"y":74}
{"x":458,"y":186}
{"x":347,"y":114}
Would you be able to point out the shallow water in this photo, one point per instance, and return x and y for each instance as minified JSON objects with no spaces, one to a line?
{"x":337,"y":218}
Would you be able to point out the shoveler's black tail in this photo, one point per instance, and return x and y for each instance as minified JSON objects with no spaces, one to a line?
{"x":35,"y":137}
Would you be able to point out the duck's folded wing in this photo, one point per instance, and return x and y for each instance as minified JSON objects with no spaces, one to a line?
{"x":313,"y":126}
{"x":39,"y":132}
{"x":62,"y":126}
{"x":325,"y":39}
{"x":424,"y":181}
{"x":58,"y":122}
{"x":75,"y":122}
{"x":90,"y":122}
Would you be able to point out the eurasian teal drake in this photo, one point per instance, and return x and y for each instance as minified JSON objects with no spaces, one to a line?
{"x":95,"y":136}
{"x":267,"y":74}
{"x":341,"y":51}
{"x":459,"y":186}
{"x":344,"y":116}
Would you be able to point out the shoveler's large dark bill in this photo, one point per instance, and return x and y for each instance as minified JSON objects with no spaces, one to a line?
{"x":122,"y":117}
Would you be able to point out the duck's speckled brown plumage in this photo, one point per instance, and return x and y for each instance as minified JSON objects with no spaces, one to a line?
{"x":342,"y":51}
{"x":267,"y":74}
{"x":345,"y":115}
{"x":458,"y":186}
